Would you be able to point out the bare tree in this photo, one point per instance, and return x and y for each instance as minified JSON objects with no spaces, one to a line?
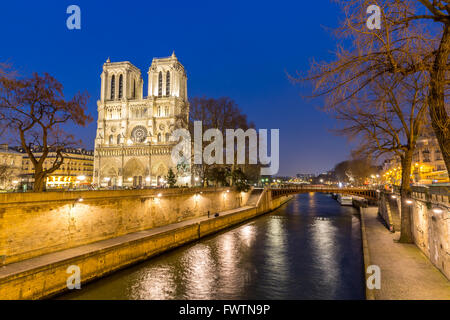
{"x":6,"y":173}
{"x":378,"y":83}
{"x":439,"y":11}
{"x":34,"y":109}
{"x":221,"y":113}
{"x":418,"y":29}
{"x":355,"y":170}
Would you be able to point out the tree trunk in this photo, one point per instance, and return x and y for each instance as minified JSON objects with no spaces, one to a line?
{"x":39,"y":180}
{"x":405,"y":194}
{"x":440,"y":120}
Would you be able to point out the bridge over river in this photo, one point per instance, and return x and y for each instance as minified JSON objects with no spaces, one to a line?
{"x":367,"y":193}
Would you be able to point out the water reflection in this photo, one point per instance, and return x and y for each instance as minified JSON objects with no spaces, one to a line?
{"x":198,"y":272}
{"x":277,"y":255}
{"x":156,"y":284}
{"x":324,"y":253}
{"x":308,"y":249}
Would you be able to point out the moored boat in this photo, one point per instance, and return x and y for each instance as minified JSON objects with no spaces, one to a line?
{"x":345,"y":200}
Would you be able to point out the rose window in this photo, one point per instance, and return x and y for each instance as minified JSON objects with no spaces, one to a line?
{"x":139,"y":134}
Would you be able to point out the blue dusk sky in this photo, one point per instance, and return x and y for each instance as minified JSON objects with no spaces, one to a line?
{"x":239,"y":49}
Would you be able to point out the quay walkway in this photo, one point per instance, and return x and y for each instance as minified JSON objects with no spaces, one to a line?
{"x":406,"y":273}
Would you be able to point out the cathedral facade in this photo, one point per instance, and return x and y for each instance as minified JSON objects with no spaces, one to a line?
{"x":132,"y":145}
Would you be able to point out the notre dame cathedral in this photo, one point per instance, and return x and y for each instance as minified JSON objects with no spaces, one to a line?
{"x":132,"y":146}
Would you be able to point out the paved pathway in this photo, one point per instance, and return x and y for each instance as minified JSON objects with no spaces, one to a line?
{"x":63,"y":255}
{"x":406,"y":273}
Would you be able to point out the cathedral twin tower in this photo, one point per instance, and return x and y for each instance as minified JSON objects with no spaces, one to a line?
{"x":132,"y":146}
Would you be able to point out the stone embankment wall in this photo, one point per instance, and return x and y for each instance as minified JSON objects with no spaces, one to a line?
{"x":46,"y":275}
{"x":430,"y":227}
{"x":32,"y":224}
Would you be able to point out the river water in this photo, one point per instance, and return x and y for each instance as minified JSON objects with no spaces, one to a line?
{"x":310,"y":248}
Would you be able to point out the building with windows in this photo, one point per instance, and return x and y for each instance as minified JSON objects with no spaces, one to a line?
{"x":429,"y":166}
{"x":10,"y":167}
{"x":132,"y":147}
{"x":76,"y":170}
{"x":305,"y":176}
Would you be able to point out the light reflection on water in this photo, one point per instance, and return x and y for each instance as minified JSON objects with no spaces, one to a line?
{"x":308,"y":249}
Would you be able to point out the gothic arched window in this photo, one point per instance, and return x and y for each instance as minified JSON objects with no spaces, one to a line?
{"x":159,"y":137}
{"x":160,"y":84}
{"x":168,"y":84}
{"x":113,"y":87}
{"x":166,"y":111}
{"x":167,"y":137}
{"x":118,"y":139}
{"x":134,"y":88}
{"x":111,"y":137}
{"x":120,"y":86}
{"x":159,"y":111}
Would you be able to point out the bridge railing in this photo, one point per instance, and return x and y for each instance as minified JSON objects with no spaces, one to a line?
{"x":365,"y":192}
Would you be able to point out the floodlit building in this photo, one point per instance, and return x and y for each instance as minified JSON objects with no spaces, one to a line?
{"x":132,"y":147}
{"x":429,"y":165}
{"x":75,"y":172}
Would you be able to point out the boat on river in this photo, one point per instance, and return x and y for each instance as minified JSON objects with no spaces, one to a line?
{"x":345,"y":200}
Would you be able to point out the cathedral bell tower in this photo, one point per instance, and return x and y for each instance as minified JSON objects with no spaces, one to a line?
{"x":132,"y":145}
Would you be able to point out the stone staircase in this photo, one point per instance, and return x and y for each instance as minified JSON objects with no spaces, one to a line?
{"x":393,"y":209}
{"x":389,"y":211}
{"x":254,"y":197}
